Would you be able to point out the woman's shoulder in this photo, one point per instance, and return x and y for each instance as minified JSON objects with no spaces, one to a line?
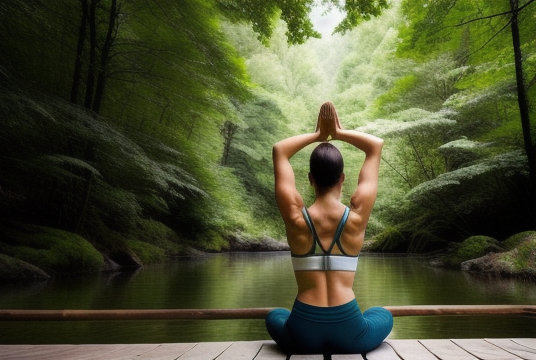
{"x":355,"y":223}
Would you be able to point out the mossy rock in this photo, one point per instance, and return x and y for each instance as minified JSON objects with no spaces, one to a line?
{"x":524,"y":256}
{"x":148,"y":254}
{"x":52,"y":250}
{"x":240,"y":241}
{"x":519,"y":262}
{"x":471,"y":248}
{"x":17,"y":271}
{"x":117,"y":249}
{"x":514,"y":240}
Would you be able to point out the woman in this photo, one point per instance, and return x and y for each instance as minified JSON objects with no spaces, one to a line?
{"x":325,"y":240}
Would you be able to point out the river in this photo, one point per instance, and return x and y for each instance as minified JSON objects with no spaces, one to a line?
{"x":241,"y":280}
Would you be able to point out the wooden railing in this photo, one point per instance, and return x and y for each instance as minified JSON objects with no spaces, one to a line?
{"x":249,"y":313}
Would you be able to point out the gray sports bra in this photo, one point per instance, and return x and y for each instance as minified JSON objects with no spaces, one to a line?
{"x":319,"y":259}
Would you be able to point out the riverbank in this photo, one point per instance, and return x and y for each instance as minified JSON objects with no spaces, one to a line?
{"x":30,"y":253}
{"x":36,"y":254}
{"x":514,"y":257}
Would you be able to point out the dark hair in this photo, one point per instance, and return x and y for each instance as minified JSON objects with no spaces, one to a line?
{"x":326,"y":165}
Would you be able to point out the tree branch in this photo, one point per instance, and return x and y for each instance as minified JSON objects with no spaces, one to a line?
{"x":494,"y":15}
{"x":491,"y":38}
{"x":398,"y":172}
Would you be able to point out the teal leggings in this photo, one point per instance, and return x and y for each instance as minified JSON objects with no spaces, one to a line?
{"x":339,"y":329}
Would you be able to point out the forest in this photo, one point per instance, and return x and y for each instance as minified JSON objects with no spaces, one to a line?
{"x":132,"y":132}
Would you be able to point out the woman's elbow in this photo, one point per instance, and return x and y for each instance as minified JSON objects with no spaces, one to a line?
{"x":377,"y":145}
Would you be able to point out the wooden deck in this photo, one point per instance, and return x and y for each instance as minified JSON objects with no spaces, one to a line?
{"x":461,"y":349}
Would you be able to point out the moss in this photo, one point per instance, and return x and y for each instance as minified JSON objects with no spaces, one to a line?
{"x":471,"y":248}
{"x":147,"y":253}
{"x":517,"y":239}
{"x":212,"y":241}
{"x":519,"y":262}
{"x":156,"y":233}
{"x":49,"y":249}
{"x":14,"y":270}
{"x":526,"y":255}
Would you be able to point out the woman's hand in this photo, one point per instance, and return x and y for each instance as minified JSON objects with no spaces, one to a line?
{"x":327,"y":126}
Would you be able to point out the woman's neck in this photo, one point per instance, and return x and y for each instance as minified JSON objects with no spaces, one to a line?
{"x":329,"y":198}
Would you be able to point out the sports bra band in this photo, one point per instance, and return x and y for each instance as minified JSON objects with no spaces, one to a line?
{"x":319,"y":259}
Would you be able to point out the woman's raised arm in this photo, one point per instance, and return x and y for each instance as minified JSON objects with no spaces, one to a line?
{"x":287,"y":196}
{"x":364,"y":196}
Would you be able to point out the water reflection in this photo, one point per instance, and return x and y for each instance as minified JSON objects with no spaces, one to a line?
{"x":258,"y":280}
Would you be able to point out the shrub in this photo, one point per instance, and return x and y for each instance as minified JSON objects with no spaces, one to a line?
{"x":471,"y":248}
{"x":391,"y":240}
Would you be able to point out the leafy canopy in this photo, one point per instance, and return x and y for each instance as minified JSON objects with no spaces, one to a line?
{"x":261,"y":14}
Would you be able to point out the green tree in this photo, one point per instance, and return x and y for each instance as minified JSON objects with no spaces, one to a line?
{"x":478,"y":32}
{"x":171,"y":79}
{"x":417,"y":134}
{"x":97,"y":70}
{"x":466,"y":69}
{"x":261,"y":15}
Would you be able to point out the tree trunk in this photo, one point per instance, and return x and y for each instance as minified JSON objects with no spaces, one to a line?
{"x":227,"y":130}
{"x":110,"y":36}
{"x":79,"y":50}
{"x":530,"y":149}
{"x":90,"y":84}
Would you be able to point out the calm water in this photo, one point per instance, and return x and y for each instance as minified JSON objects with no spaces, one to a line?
{"x":258,"y":280}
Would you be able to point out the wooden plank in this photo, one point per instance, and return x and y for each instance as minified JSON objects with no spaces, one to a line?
{"x":106,"y":352}
{"x":514,"y":348}
{"x":44,"y":352}
{"x":206,"y":351}
{"x":40,"y":352}
{"x":80,"y":352}
{"x":410,"y":350}
{"x":270,"y":351}
{"x":382,"y":352}
{"x":484,"y":350}
{"x":446,"y":350}
{"x":123,"y":352}
{"x":347,"y":357}
{"x":76,"y":352}
{"x":245,"y":350}
{"x":14,"y":351}
{"x":83,"y":352}
{"x":530,"y":343}
{"x":167,"y":351}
